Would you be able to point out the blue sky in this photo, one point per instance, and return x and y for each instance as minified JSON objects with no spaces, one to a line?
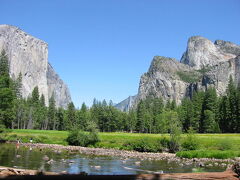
{"x":100,"y":48}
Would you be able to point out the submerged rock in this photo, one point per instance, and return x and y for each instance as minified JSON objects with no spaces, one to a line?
{"x":45,"y":158}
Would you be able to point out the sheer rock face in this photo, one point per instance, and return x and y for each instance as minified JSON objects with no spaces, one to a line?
{"x":58,"y":88}
{"x":162,"y":80}
{"x":29,"y":56}
{"x":220,"y":59}
{"x":202,"y":52}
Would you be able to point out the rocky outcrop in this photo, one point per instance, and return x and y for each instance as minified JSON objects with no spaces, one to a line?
{"x":57,"y":88}
{"x":204,"y":64}
{"x":29,"y":56}
{"x":162,"y":80}
{"x":202,"y":52}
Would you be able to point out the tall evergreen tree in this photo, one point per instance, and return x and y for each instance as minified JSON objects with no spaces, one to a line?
{"x":186,"y":114}
{"x":209,"y":109}
{"x":52,"y":113}
{"x":197,"y":101}
{"x":131,"y":121}
{"x":232,"y":102}
{"x":6,"y":93}
{"x":71,"y":116}
{"x":141,"y":112}
{"x":83,"y":117}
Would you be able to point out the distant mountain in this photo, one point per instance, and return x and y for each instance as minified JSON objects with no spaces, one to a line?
{"x":29,"y":56}
{"x":126,"y":104}
{"x":204,"y":64}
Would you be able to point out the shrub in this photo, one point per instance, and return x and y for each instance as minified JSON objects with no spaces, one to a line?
{"x":164,"y":142}
{"x":80,"y":138}
{"x":2,"y":128}
{"x":144,"y":145}
{"x":190,"y":142}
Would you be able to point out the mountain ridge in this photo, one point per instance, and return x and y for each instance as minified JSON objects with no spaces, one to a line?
{"x":204,"y":64}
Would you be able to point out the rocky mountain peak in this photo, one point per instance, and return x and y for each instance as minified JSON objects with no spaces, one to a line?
{"x":204,"y":64}
{"x":203,"y":52}
{"x":29,"y":56}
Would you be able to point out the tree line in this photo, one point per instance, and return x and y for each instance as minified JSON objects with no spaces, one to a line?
{"x":204,"y":112}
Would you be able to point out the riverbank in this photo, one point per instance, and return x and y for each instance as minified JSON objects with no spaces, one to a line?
{"x":210,"y":145}
{"x":7,"y":171}
{"x":12,"y":173}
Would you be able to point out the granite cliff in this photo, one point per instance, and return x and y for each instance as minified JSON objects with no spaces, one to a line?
{"x":29,"y":56}
{"x":204,"y":64}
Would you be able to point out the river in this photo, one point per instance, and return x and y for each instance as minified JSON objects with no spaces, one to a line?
{"x":12,"y":155}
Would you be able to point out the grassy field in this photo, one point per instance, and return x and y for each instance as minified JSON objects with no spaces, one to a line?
{"x":211,"y":144}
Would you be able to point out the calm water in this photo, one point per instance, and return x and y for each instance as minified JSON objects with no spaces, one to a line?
{"x":34,"y":158}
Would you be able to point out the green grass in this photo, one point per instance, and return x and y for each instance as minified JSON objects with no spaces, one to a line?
{"x":210,"y":145}
{"x":39,"y":136}
{"x":209,"y":154}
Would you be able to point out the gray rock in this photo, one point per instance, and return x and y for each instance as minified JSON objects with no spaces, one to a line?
{"x":174,"y":80}
{"x":29,"y":56}
{"x":202,"y":52}
{"x":162,"y":80}
{"x":126,"y":104}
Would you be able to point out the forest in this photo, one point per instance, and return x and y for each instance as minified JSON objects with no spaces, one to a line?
{"x":204,"y":112}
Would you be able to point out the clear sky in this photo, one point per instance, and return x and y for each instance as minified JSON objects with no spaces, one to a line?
{"x":100,"y":48}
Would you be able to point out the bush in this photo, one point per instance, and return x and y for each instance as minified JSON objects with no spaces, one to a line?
{"x":164,"y":142}
{"x":144,"y":145}
{"x":80,"y":138}
{"x":190,"y":142}
{"x":2,"y":128}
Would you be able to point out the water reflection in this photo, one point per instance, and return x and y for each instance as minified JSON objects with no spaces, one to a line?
{"x":62,"y":161}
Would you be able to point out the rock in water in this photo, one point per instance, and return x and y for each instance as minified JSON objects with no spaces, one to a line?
{"x":29,"y":56}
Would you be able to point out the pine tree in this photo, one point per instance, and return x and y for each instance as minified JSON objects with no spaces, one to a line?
{"x":42,"y":111}
{"x":141,"y":111}
{"x":35,"y":96}
{"x":232,"y":100}
{"x":71,"y":116}
{"x":18,"y":103}
{"x":83,"y":117}
{"x":52,"y":113}
{"x":6,"y":93}
{"x":186,"y":115}
{"x":131,"y":121}
{"x":223,"y":114}
{"x":4,"y":64}
{"x":60,"y":119}
{"x":197,"y":101}
{"x":209,"y":109}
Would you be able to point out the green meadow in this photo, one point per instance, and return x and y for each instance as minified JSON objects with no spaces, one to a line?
{"x":209,"y":145}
